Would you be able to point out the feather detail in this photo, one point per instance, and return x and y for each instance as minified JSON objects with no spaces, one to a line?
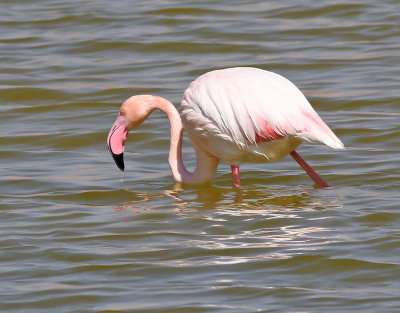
{"x":250,"y":106}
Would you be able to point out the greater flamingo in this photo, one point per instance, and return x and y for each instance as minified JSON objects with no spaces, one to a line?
{"x":235,"y":115}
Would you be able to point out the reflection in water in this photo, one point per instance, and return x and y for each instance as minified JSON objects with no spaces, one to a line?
{"x":212,"y":227}
{"x":209,"y":197}
{"x":205,"y":196}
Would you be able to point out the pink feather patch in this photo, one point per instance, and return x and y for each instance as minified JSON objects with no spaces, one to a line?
{"x":267,"y":134}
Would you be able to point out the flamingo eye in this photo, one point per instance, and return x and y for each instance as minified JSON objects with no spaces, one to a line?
{"x":122,"y":112}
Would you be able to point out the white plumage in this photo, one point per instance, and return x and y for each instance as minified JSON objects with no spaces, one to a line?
{"x":247,"y":114}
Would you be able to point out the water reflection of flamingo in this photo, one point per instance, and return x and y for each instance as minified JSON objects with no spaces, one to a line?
{"x":235,"y":115}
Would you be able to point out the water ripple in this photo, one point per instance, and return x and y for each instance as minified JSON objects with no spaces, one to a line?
{"x":79,"y":236}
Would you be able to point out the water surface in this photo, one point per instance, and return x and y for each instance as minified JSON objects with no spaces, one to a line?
{"x":77,"y":235}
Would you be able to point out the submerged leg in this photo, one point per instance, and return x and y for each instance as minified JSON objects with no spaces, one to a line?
{"x":235,"y":176}
{"x":314,"y":176}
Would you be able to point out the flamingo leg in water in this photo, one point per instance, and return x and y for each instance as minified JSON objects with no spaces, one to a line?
{"x":235,"y":176}
{"x":314,"y":176}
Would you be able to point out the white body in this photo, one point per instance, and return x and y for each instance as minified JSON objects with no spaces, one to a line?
{"x":250,"y":115}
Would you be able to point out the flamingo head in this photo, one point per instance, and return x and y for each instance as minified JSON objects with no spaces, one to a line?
{"x":133,"y":112}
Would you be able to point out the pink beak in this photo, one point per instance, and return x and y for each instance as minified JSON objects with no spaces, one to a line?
{"x":116,"y":141}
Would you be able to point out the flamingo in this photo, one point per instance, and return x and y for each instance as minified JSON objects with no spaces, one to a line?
{"x":236,"y":115}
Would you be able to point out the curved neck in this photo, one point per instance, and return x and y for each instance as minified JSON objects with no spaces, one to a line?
{"x":206,"y":164}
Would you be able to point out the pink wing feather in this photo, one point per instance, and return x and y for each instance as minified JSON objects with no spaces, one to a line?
{"x":250,"y":105}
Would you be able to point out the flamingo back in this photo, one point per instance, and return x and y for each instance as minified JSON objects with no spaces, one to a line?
{"x":249,"y":106}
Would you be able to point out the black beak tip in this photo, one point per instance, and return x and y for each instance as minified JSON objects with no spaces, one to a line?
{"x":119,"y":160}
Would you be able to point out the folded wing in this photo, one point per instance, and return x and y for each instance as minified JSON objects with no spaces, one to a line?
{"x":249,"y":105}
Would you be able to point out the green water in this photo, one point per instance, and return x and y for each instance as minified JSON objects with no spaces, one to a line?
{"x":77,"y":235}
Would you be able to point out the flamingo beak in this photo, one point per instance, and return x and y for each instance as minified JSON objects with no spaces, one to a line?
{"x":116,"y":141}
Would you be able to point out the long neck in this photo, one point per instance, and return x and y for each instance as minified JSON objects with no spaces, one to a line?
{"x":206,"y":165}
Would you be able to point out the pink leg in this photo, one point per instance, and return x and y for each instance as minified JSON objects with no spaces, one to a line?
{"x":235,"y":176}
{"x":314,"y":176}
